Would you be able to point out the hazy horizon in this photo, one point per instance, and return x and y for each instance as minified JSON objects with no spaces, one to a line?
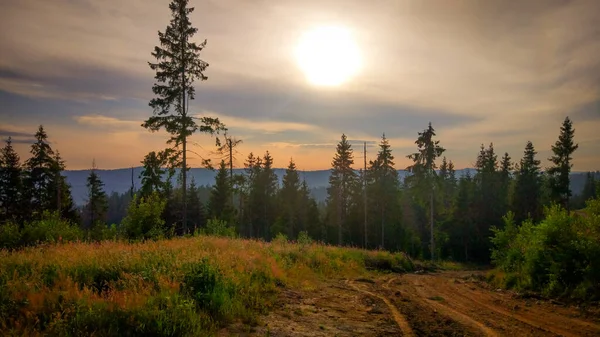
{"x":501,"y":72}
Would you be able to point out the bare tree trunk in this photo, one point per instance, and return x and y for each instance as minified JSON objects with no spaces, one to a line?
{"x":365,"y":191}
{"x":230,"y":145}
{"x":58,"y":192}
{"x":340,"y":215}
{"x":382,"y":227}
{"x":431,"y":227}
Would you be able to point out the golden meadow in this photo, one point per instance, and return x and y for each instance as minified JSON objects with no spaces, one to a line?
{"x":185,"y":286}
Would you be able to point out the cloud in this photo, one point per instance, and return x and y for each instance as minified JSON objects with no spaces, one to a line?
{"x":479,"y":71}
{"x":18,"y":135}
{"x":105,"y":121}
{"x":588,"y":112}
{"x":245,"y":124}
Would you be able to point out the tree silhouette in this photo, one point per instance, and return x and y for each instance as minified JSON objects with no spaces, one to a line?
{"x":178,"y":66}
{"x":559,"y":174}
{"x":341,"y":184}
{"x":10,"y":182}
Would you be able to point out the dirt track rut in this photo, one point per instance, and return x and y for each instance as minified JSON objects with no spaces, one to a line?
{"x":439,"y":304}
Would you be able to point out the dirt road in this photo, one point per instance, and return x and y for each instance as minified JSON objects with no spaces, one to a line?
{"x":437,"y":304}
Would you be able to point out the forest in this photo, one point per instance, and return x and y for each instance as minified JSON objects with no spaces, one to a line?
{"x":179,"y":259}
{"x":370,"y":208}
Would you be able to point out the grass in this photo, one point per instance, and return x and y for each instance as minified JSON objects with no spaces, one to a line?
{"x":179,"y":287}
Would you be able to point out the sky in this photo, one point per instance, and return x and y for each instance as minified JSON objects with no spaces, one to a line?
{"x":505,"y":72}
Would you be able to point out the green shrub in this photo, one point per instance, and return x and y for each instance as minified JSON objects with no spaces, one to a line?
{"x":144,"y":218}
{"x":101,"y":232}
{"x":10,"y":236}
{"x":50,"y":228}
{"x":211,"y":292}
{"x":216,"y":227}
{"x":280,"y":238}
{"x":304,"y":240}
{"x":385,"y":261}
{"x":560,"y":256}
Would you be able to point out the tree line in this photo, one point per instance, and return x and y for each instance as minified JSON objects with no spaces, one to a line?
{"x":431,"y":211}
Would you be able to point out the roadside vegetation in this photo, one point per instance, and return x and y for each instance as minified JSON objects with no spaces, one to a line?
{"x":177,"y":287}
{"x":557,"y":257}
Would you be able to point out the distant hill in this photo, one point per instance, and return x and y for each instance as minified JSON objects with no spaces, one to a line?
{"x":119,"y":180}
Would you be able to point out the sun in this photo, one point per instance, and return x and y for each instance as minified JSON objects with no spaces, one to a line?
{"x":328,"y":55}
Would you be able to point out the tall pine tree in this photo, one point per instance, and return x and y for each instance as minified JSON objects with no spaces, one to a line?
{"x":464,"y":219}
{"x":10,"y":183}
{"x":62,"y":198}
{"x":560,"y":172}
{"x":383,"y":180}
{"x":152,"y":174}
{"x":489,"y":206}
{"x":268,"y":185}
{"x":341,"y":184}
{"x":506,"y":169}
{"x":196,"y":213}
{"x":526,"y":202}
{"x":423,"y":175}
{"x":178,"y":67}
{"x":219,"y":203}
{"x":309,"y":214}
{"x":97,"y":205}
{"x":41,"y":167}
{"x":289,"y":199}
{"x":253,"y":197}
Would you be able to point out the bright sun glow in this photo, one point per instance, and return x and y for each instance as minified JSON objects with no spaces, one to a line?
{"x":328,"y":56}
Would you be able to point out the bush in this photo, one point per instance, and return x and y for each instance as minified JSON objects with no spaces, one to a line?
{"x":102,"y":232}
{"x":280,"y":238}
{"x":144,"y":218}
{"x":216,"y":227}
{"x":559,"y":256}
{"x":50,"y":228}
{"x":385,"y":261}
{"x":211,"y":292}
{"x":304,"y":240}
{"x":10,"y":236}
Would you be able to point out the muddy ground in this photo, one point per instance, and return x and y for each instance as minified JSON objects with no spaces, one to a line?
{"x":430,"y":304}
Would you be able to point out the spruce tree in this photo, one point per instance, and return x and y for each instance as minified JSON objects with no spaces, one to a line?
{"x":560,"y":172}
{"x":444,"y":205}
{"x":40,"y":174}
{"x":10,"y":182}
{"x":489,"y":204}
{"x":506,"y":169}
{"x":219,"y":204}
{"x":423,"y":175}
{"x":62,"y":198}
{"x":383,"y":180}
{"x":97,"y":205}
{"x":178,"y":67}
{"x":309,"y":217}
{"x":289,"y":200}
{"x":196,"y":213}
{"x":252,"y":208}
{"x":268,"y":185}
{"x":464,"y":216}
{"x":447,"y":183}
{"x":526,"y":202}
{"x":341,"y":184}
{"x":152,"y":174}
